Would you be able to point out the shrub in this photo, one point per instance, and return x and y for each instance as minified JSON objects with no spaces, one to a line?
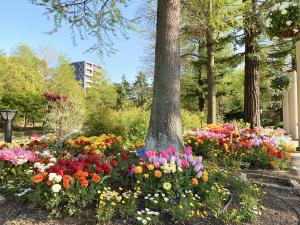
{"x":192,"y":120}
{"x":135,"y":123}
{"x":132,"y":124}
{"x":101,"y":121}
{"x":129,"y":123}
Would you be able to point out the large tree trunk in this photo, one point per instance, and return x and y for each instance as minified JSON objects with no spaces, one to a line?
{"x":210,"y":46}
{"x":252,"y":83}
{"x":165,"y":127}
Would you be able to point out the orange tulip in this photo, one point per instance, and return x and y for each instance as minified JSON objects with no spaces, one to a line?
{"x":78,"y":174}
{"x":84,"y":183}
{"x":66,"y":181}
{"x":96,"y":179}
{"x":85,"y":174}
{"x":195,"y":181}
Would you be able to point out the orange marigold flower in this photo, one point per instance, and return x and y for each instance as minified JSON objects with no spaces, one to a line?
{"x":195,"y":181}
{"x":38,"y":178}
{"x":150,"y":167}
{"x":96,"y":178}
{"x":138,"y":170}
{"x":157,"y":173}
{"x":84,"y":183}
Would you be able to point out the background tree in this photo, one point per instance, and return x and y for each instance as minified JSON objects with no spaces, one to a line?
{"x":260,"y":53}
{"x":63,"y":81}
{"x":101,"y":92}
{"x":252,"y":82}
{"x":208,"y":28}
{"x":141,"y":91}
{"x":22,"y":84}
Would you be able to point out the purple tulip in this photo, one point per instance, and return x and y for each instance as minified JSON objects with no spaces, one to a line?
{"x":199,"y":174}
{"x":190,"y":158}
{"x":199,"y":159}
{"x":194,"y":162}
{"x":163,"y":161}
{"x":178,"y":162}
{"x":172,"y":158}
{"x":185,"y":156}
{"x":198,"y":167}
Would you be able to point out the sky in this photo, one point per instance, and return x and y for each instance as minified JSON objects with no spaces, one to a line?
{"x":24,"y":23}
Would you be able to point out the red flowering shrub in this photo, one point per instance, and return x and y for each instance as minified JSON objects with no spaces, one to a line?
{"x":53,"y":97}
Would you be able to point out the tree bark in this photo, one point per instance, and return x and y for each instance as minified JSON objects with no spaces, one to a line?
{"x":252,"y":79}
{"x":25,"y":121}
{"x":210,"y":46}
{"x":165,"y":128}
{"x":201,"y":97}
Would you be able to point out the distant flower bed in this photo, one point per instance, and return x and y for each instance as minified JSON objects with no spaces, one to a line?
{"x":283,"y":20}
{"x":140,"y":186}
{"x":228,"y":144}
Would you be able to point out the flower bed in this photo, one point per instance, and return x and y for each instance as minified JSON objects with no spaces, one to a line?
{"x":229,"y":145}
{"x":139,"y":186}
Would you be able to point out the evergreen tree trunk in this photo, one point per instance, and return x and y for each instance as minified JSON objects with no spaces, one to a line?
{"x":25,"y":121}
{"x":201,"y":97}
{"x":252,"y":83}
{"x":212,"y":108}
{"x":165,"y":127}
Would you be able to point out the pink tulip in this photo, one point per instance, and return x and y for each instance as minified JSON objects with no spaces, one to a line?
{"x":188,"y":150}
{"x":185,"y":164}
